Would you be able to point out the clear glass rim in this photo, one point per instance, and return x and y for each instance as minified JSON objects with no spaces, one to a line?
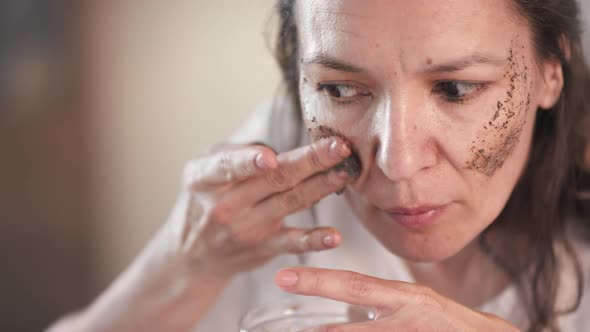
{"x":290,"y":307}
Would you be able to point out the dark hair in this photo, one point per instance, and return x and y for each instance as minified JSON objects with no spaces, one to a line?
{"x":545,"y":201}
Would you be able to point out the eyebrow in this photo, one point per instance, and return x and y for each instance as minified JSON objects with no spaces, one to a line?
{"x":332,"y":63}
{"x":451,"y":66}
{"x":465,"y":62}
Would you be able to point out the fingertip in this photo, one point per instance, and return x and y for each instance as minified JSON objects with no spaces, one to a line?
{"x":332,"y":240}
{"x":266,"y":162}
{"x":286,"y":278}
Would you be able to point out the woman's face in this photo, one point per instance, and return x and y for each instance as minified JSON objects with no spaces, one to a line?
{"x":438,"y":99}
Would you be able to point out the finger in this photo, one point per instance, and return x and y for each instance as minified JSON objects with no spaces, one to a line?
{"x":358,"y":314}
{"x":294,"y":167}
{"x":229,"y":166}
{"x":299,"y":198}
{"x":353,"y":288}
{"x":299,"y":240}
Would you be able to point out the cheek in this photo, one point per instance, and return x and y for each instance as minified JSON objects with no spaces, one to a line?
{"x":324,"y":119}
{"x":501,"y":133}
{"x":316,"y":110}
{"x":499,"y":153}
{"x":321,"y":123}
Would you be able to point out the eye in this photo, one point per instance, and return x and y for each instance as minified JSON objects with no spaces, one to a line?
{"x":343,"y":93}
{"x":457,"y":92}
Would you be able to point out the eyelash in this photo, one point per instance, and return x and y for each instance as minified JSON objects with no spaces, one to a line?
{"x":330,"y":88}
{"x":478,"y":89}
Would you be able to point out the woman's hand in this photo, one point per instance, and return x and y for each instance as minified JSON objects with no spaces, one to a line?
{"x":398,"y":306}
{"x":229,"y":217}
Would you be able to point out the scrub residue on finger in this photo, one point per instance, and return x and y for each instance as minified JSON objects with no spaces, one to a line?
{"x":352,"y":164}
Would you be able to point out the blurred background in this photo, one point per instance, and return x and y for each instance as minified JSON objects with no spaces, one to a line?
{"x":101,"y":104}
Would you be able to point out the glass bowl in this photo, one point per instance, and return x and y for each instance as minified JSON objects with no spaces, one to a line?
{"x":297,"y":314}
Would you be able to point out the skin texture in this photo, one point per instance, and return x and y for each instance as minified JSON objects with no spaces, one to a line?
{"x":502,"y":133}
{"x":416,"y":146}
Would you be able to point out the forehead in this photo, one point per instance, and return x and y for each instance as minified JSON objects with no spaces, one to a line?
{"x":402,"y":28}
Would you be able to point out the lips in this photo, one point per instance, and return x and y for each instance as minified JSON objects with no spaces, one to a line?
{"x":416,"y":217}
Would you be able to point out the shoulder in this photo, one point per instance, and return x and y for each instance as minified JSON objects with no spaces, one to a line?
{"x":580,"y":245}
{"x":570,"y":283}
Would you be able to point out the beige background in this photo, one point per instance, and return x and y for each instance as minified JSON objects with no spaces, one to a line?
{"x":168,"y":79}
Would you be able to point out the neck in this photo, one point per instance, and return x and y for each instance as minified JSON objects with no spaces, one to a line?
{"x":458,"y":276}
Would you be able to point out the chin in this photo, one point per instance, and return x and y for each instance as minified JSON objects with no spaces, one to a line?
{"x":425,"y":247}
{"x":434,"y":238}
{"x":419,"y":254}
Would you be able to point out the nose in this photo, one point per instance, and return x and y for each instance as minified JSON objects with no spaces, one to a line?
{"x":405,"y":138}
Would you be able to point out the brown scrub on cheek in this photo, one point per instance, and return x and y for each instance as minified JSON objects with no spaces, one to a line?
{"x":502,"y":132}
{"x":352,"y":164}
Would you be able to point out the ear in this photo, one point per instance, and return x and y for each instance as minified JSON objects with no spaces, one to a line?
{"x":553,"y":81}
{"x":552,"y":72}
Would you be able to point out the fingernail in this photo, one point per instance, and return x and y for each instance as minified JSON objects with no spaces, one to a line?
{"x":264,"y":163}
{"x":344,"y":150}
{"x":330,"y":240}
{"x":287,"y":278}
{"x":338,"y":150}
{"x":333,"y":150}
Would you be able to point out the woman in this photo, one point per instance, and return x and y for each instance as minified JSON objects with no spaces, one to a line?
{"x":454,"y":131}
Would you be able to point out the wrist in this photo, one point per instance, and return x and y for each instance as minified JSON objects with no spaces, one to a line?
{"x":156,"y":293}
{"x":181,"y":304}
{"x":73,"y":322}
